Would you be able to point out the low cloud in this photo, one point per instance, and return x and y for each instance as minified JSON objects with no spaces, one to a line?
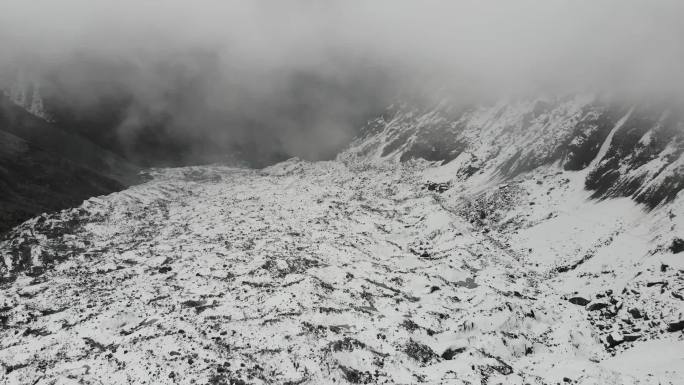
{"x":186,"y":82}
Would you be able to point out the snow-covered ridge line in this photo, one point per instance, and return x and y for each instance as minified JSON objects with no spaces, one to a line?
{"x":640,"y":147}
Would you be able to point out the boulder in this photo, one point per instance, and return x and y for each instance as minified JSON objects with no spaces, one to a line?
{"x":580,"y":301}
{"x":614,"y":339}
{"x":597,"y":306}
{"x":635,"y":312}
{"x":675,"y":326}
{"x":450,"y":353}
{"x":677,"y":245}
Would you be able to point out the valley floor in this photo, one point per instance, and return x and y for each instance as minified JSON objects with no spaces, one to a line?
{"x":323,"y":273}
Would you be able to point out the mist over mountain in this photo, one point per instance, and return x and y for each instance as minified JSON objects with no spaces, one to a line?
{"x":169,"y":83}
{"x":341,"y":192}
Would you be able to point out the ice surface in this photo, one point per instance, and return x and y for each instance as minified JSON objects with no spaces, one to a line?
{"x":335,"y":272}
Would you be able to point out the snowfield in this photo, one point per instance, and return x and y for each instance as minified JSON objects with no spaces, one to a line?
{"x":345,"y":272}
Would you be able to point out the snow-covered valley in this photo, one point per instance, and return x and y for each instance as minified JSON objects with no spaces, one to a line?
{"x":344,"y":272}
{"x":331,"y":193}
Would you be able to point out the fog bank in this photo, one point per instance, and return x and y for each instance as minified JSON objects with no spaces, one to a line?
{"x":185,"y":82}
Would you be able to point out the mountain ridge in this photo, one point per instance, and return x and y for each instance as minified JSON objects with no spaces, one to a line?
{"x":642,"y":160}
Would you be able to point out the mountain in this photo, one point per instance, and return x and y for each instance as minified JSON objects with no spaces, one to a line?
{"x":507,"y":243}
{"x":45,"y":167}
{"x":630,"y":150}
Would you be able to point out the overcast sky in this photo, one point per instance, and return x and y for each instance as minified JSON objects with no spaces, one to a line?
{"x":304,"y":72}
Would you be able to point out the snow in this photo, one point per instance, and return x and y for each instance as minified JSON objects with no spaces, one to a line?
{"x":357,"y":271}
{"x":660,"y":359}
{"x":328,"y":273}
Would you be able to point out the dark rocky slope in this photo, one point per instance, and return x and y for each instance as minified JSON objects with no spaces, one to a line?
{"x":44,"y":168}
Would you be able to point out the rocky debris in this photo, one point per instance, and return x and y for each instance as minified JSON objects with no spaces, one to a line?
{"x":437,"y":187}
{"x":302,"y":273}
{"x":409,"y":325}
{"x":621,"y":323}
{"x":7,"y":302}
{"x":420,"y":352}
{"x":25,"y":247}
{"x":616,"y":338}
{"x":575,"y":265}
{"x":489,"y":208}
{"x":347,"y":344}
{"x":355,"y":376}
{"x":422,"y":249}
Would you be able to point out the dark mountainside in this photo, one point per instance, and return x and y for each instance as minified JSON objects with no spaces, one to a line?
{"x":45,"y":168}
